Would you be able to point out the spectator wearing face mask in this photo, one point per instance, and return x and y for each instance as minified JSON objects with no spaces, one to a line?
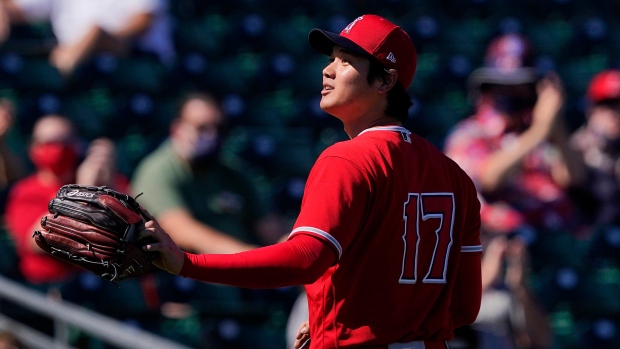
{"x":55,"y":153}
{"x":206,"y":204}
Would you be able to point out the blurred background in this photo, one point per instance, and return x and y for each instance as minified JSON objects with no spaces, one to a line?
{"x":254,"y":56}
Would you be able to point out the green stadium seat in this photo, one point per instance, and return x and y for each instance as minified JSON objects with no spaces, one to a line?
{"x":139,"y":74}
{"x":37,"y":74}
{"x":600,"y":292}
{"x":562,"y":322}
{"x":552,"y":37}
{"x":206,"y":35}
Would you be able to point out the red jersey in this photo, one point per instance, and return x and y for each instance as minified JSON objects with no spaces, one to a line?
{"x":26,"y":204}
{"x":403,"y":219}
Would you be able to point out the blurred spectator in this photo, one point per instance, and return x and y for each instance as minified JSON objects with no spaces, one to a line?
{"x":86,"y":27}
{"x":206,"y":204}
{"x":11,"y":166}
{"x":55,"y":153}
{"x":9,"y":341}
{"x":515,"y":146}
{"x":511,"y":315}
{"x":516,"y":149}
{"x":598,"y":142}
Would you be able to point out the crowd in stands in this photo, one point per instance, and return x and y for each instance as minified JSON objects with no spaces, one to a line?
{"x":210,"y":111}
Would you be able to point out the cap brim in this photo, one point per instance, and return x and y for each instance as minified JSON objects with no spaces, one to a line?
{"x":324,"y":41}
{"x":499,"y":77}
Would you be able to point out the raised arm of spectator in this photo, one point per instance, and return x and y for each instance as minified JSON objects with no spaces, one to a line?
{"x":544,"y":119}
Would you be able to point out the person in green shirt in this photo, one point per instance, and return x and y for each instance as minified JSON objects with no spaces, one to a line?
{"x":209,"y":205}
{"x":206,"y":204}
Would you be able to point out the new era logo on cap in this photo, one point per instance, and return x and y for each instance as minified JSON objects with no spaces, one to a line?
{"x":390,"y":57}
{"x":373,"y":36}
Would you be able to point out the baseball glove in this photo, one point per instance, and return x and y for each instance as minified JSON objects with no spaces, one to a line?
{"x":96,"y":228}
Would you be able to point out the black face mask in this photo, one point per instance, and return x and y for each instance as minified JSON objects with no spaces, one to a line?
{"x":208,"y":156}
{"x":512,"y":104}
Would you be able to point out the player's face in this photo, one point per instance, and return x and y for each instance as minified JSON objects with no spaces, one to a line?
{"x":346,"y":92}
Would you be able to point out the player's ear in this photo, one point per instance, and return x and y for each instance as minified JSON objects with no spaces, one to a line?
{"x":388,"y":80}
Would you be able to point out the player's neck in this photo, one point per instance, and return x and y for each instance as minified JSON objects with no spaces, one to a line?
{"x":356,"y":129}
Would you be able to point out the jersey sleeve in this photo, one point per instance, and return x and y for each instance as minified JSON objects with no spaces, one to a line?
{"x":467,"y":293}
{"x":297,"y":261}
{"x":329,"y":211}
{"x":471,"y":235}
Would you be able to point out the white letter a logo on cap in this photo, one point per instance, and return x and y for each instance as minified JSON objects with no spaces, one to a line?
{"x":350,"y":26}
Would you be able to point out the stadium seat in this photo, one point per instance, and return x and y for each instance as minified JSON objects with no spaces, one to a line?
{"x":91,"y":110}
{"x":577,"y":71}
{"x":599,"y":332}
{"x":36,"y":74}
{"x":558,"y":249}
{"x":605,"y":246}
{"x":205,"y":35}
{"x":599,"y":292}
{"x":139,"y":74}
{"x":552,"y":37}
{"x":562,"y":322}
{"x":468,"y":37}
{"x":287,"y":34}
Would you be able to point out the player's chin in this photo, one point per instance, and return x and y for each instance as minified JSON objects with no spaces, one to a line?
{"x":327,"y":105}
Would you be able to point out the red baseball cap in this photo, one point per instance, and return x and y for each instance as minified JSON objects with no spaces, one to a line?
{"x":605,"y":86}
{"x":375,"y":37}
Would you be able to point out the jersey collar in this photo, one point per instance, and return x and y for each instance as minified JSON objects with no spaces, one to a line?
{"x":393,"y":128}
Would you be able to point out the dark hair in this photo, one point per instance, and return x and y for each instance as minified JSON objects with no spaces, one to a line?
{"x":398,"y":100}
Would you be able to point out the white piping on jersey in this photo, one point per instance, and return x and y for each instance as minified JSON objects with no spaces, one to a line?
{"x":321,"y":233}
{"x":475,"y":248}
{"x":387,"y":128}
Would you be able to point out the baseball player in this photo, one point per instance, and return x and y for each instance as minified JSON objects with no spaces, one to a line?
{"x":387,"y":241}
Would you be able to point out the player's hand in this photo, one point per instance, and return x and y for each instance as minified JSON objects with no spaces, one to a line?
{"x":303,"y":336}
{"x":170,"y":258}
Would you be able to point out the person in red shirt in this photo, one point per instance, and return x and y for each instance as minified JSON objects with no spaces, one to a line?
{"x":387,"y":241}
{"x":55,"y":154}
